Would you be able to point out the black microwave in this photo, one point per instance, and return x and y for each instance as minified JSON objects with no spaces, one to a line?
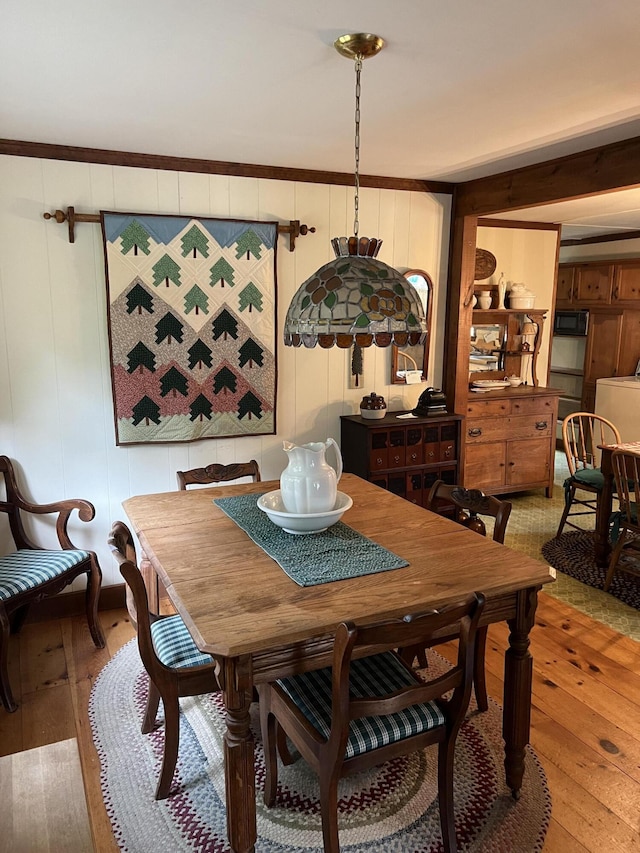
{"x":572,"y":323}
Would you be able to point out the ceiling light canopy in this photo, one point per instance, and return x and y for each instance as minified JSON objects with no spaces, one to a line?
{"x":355,"y":298}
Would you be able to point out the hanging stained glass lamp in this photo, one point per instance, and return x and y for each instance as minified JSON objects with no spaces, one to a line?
{"x":355,"y":298}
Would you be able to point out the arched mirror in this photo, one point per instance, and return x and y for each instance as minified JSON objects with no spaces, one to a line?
{"x":409,"y":365}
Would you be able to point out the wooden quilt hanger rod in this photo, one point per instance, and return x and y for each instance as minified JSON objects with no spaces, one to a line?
{"x":294,"y":229}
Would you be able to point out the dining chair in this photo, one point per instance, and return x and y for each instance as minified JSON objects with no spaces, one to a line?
{"x":201,"y":477}
{"x":362,"y":711}
{"x":626,"y":472}
{"x":219,"y":474}
{"x":582,"y":432}
{"x":173,"y":663}
{"x":31,"y":573}
{"x":468,"y":506}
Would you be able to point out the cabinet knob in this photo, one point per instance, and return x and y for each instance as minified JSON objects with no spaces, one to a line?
{"x":475,"y":432}
{"x":541,"y":425}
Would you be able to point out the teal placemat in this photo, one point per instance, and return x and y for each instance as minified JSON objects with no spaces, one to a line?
{"x":333,"y":555}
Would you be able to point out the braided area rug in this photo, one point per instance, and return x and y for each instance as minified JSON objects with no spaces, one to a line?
{"x":390,"y":809}
{"x":573,"y":554}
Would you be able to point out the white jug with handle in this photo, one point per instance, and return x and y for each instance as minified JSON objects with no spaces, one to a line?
{"x":309,"y":484}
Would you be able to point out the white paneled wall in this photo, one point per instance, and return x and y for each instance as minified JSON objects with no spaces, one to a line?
{"x":56,"y":415}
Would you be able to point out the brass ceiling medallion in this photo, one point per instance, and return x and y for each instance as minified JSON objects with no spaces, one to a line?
{"x":358,"y":44}
{"x":355,"y":298}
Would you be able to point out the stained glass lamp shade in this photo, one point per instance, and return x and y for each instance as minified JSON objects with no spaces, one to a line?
{"x":355,"y":298}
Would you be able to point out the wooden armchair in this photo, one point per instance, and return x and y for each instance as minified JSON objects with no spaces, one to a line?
{"x":469,"y":505}
{"x":31,"y":573}
{"x":366,"y":710}
{"x":174,"y":664}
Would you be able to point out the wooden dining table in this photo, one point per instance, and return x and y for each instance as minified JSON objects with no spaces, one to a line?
{"x":242,"y":608}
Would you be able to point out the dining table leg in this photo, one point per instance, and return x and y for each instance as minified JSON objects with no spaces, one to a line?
{"x":518,"y":675}
{"x":604,"y":506}
{"x":239,"y":768}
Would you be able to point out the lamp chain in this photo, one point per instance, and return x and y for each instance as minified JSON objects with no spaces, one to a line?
{"x":356,"y":204}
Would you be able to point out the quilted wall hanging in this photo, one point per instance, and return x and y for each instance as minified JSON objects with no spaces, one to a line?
{"x":192,"y":326}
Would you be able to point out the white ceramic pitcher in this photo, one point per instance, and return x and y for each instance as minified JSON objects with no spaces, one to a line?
{"x":308,"y":484}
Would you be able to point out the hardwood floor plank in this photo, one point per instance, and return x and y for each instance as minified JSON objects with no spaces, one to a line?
{"x":597,"y":732}
{"x":47,"y":716}
{"x":117,"y":629}
{"x":586,"y":818}
{"x":609,"y":703}
{"x":614,"y":788}
{"x":42,"y":806}
{"x":622,"y":649}
{"x":85,"y":663}
{"x":42,"y":658}
{"x":559,"y":840}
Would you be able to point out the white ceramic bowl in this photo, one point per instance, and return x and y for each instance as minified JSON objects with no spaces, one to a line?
{"x":301,"y":523}
{"x":520,"y":302}
{"x":514,"y":381}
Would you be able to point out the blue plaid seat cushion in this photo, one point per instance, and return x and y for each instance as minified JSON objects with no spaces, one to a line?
{"x":174,"y":645}
{"x":372,"y":676}
{"x":26,"y":569}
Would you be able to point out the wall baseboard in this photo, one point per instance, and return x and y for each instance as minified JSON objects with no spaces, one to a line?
{"x":72,"y":603}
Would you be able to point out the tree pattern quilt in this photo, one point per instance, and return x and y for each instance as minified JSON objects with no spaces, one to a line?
{"x":192,"y":326}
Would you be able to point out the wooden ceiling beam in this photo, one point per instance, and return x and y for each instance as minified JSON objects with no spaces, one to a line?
{"x":598,"y":170}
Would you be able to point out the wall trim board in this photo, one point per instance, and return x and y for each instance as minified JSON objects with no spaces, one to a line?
{"x":601,"y":238}
{"x":47,"y":151}
{"x":72,"y":603}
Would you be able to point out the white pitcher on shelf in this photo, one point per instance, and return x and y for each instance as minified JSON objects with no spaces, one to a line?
{"x":309,"y":484}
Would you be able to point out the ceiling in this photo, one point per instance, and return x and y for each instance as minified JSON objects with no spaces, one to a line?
{"x":461,"y":90}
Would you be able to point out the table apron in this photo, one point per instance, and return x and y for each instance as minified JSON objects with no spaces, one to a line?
{"x":316,"y":652}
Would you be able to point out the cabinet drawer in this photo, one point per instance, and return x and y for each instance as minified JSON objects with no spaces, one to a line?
{"x":481,"y":430}
{"x":530,"y":426}
{"x":482,"y":408}
{"x":534,"y":405}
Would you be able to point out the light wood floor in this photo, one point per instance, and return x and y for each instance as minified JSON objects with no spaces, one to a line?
{"x":585,"y":719}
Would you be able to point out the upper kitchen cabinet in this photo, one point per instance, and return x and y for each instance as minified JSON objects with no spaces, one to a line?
{"x":593,"y":284}
{"x":626,"y":283}
{"x":564,"y":287}
{"x":596,"y":284}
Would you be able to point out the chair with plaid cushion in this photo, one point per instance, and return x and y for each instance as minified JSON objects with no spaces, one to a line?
{"x":172,"y":660}
{"x":468,"y":506}
{"x":582,"y":432}
{"x":363,"y":711}
{"x":30,"y":573}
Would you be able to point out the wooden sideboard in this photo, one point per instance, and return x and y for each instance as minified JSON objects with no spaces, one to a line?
{"x":509,"y":439}
{"x":404,"y":456}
